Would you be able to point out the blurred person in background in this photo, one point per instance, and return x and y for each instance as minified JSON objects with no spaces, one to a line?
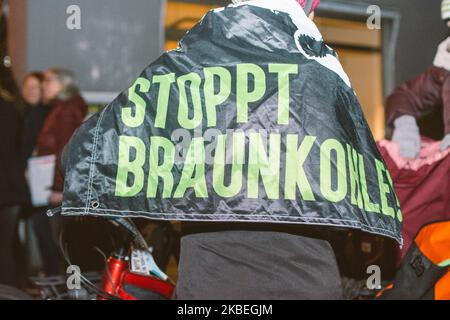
{"x":421,"y":106}
{"x":67,"y":109}
{"x":35,"y":113}
{"x":12,"y":185}
{"x":418,"y":111}
{"x":67,"y":112}
{"x":418,"y":158}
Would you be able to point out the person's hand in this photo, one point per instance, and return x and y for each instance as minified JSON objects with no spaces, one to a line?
{"x":56,"y":198}
{"x":442,"y":58}
{"x":407,"y":135}
{"x":445,"y":144}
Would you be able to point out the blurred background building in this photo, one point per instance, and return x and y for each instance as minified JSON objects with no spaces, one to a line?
{"x":118,"y":39}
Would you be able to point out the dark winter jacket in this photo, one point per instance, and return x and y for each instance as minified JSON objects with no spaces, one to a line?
{"x":422,"y":185}
{"x":33,"y":121}
{"x":12,"y":179}
{"x":427,"y":98}
{"x":64,"y":118}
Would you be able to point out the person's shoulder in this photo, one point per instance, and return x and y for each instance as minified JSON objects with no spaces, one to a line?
{"x":434,"y":74}
{"x":8,"y":107}
{"x":70,"y":105}
{"x":76,"y":107}
{"x":81,"y":105}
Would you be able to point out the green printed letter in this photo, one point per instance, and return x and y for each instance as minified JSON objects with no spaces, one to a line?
{"x":384,"y":189}
{"x":283,"y":71}
{"x":236,"y":167}
{"x":163,"y":170}
{"x":127,"y":166}
{"x":141,"y":85}
{"x":213,"y":99}
{"x":193,"y":175}
{"x":368,"y":205}
{"x":163,"y":98}
{"x":355,"y":186}
{"x":325,"y":171}
{"x":190,"y":81}
{"x":268,"y":167}
{"x":243,"y":95}
{"x":295,"y":173}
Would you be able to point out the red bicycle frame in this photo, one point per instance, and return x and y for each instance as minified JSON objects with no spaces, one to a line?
{"x":120,"y":282}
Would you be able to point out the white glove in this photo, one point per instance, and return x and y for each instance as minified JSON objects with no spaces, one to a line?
{"x":445,"y":144}
{"x":442,"y":58}
{"x":407,"y":135}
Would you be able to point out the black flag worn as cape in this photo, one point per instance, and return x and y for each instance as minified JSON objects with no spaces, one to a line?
{"x":251,"y":118}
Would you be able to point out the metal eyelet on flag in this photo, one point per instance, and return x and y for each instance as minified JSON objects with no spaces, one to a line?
{"x":95,"y":204}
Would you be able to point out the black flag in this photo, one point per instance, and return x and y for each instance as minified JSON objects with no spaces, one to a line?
{"x":252,"y":118}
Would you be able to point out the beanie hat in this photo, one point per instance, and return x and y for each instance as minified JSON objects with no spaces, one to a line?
{"x":445,"y":10}
{"x":308,"y":5}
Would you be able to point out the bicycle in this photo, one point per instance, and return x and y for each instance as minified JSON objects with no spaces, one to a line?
{"x":130,"y":273}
